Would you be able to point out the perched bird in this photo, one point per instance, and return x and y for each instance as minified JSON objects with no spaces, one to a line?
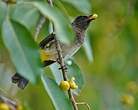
{"x":48,"y":50}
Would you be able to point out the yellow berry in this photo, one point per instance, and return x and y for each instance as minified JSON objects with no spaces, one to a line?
{"x":4,"y":106}
{"x":64,"y":85}
{"x":132,"y":87}
{"x":127,"y":100}
{"x":72,"y":83}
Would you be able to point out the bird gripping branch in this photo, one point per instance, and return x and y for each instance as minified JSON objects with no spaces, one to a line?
{"x":48,"y":50}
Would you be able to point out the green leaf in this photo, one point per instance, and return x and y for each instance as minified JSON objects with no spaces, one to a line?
{"x":73,"y":71}
{"x":57,"y":74}
{"x":22,"y":48}
{"x":88,"y":49}
{"x":58,"y":97}
{"x":83,"y":6}
{"x":26,"y":15}
{"x":62,"y":26}
{"x":61,"y":7}
{"x":3,"y":9}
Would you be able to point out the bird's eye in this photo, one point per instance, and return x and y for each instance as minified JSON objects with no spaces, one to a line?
{"x":47,"y":46}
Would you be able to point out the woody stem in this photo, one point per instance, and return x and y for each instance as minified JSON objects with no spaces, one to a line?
{"x":39,"y":26}
{"x":62,"y":65}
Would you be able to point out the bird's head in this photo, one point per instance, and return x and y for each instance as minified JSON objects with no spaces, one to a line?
{"x":81,"y":23}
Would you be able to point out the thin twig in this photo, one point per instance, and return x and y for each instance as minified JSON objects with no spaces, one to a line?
{"x":8,"y":101}
{"x":84,"y":103}
{"x":62,"y":65}
{"x":72,"y":100}
{"x":39,"y":26}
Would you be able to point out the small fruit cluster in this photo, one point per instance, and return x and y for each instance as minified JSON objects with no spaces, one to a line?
{"x":132,"y":87}
{"x":66,"y":85}
{"x":129,"y":98}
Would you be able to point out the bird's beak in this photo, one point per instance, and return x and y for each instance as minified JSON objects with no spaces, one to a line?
{"x":92,"y":17}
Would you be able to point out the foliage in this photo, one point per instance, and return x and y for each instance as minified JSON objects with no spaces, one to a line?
{"x":113,"y":38}
{"x":18,"y":24}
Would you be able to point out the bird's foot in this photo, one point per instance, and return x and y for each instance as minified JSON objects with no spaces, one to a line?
{"x":64,"y":67}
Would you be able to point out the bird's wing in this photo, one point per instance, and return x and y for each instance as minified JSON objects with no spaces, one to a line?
{"x":47,"y":40}
{"x":48,"y":49}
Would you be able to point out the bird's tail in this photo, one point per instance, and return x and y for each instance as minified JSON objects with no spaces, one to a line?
{"x":19,"y":80}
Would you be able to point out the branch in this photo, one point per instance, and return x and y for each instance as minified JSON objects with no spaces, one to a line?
{"x":63,"y":66}
{"x":39,"y":26}
{"x":63,"y":69}
{"x":84,"y":103}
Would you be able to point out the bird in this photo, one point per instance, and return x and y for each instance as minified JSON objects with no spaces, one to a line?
{"x":48,"y":52}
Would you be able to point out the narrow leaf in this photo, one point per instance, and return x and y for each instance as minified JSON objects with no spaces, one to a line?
{"x":22,"y":48}
{"x":62,"y":26}
{"x":58,"y":97}
{"x":74,"y":71}
{"x":83,"y":6}
{"x":56,"y":73}
{"x":88,"y":49}
{"x":26,"y":15}
{"x":3,"y":10}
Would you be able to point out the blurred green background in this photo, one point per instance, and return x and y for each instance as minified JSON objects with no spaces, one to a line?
{"x":114,"y":40}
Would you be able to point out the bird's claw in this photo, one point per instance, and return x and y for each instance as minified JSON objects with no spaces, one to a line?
{"x":64,"y":67}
